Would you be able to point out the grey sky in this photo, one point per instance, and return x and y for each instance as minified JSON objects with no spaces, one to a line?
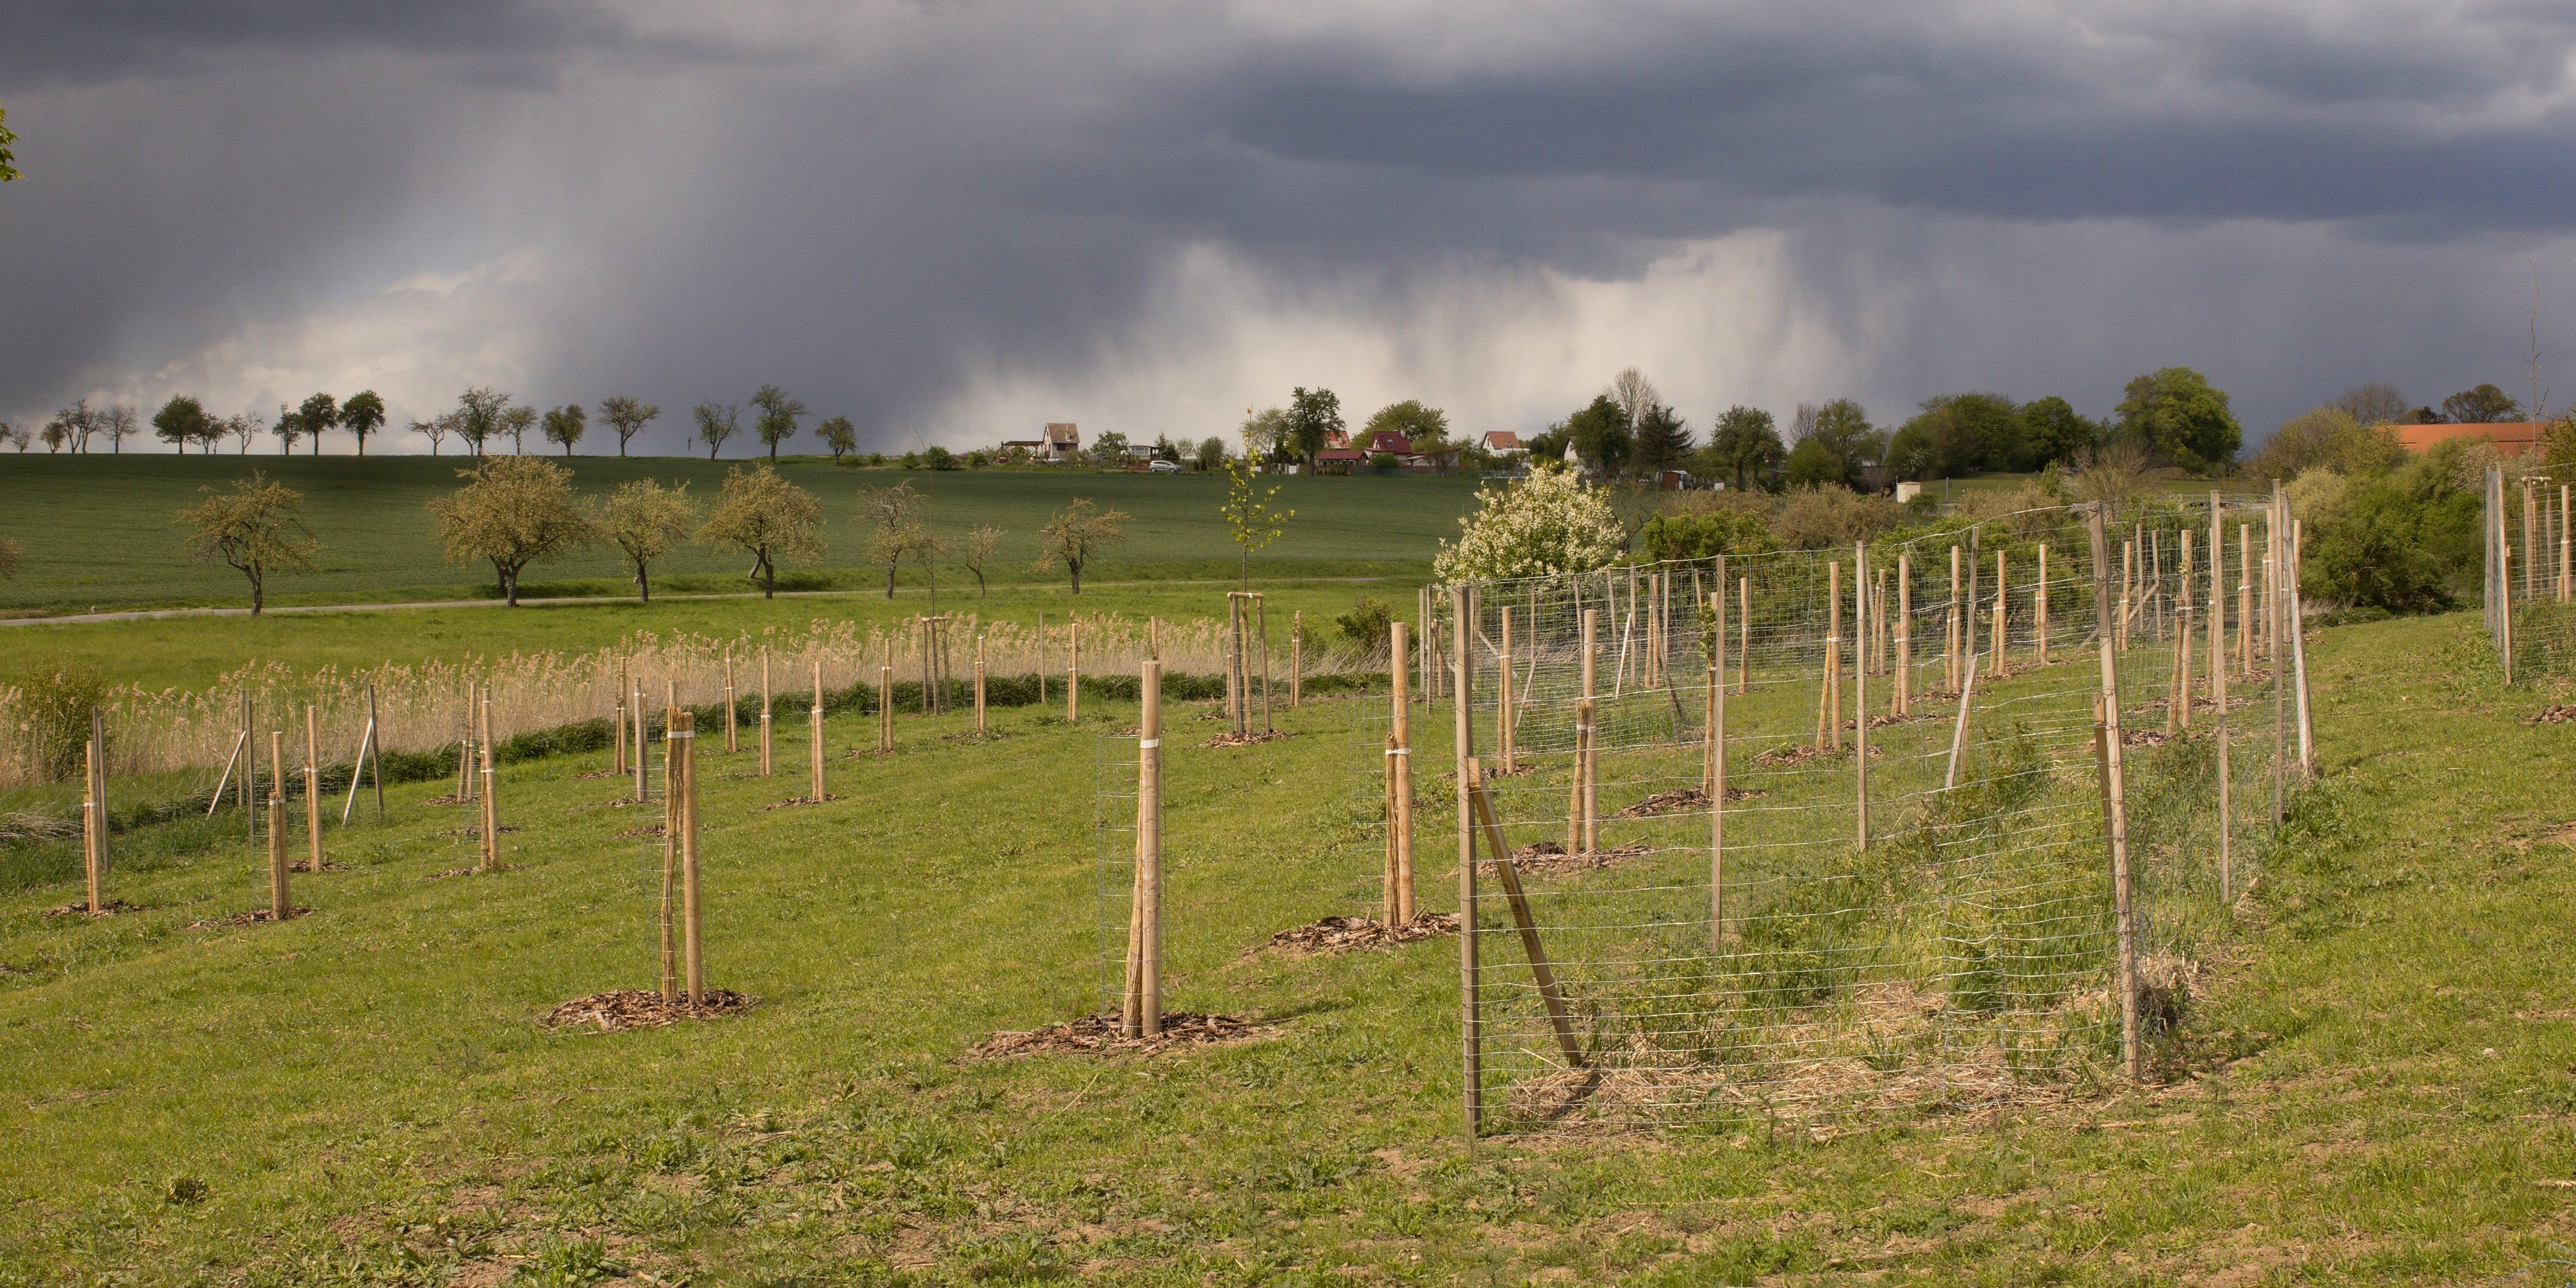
{"x":950,"y":221}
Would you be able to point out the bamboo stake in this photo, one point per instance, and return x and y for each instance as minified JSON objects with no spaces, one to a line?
{"x":312,"y":789}
{"x":643,"y":788}
{"x":617,"y":762}
{"x":1959,"y":731}
{"x":1471,"y":1033}
{"x":2116,"y":811}
{"x":1462,"y":712}
{"x":885,"y":702}
{"x":2218,"y":697}
{"x":2039,"y":610}
{"x":1399,"y":907}
{"x":1834,"y":653}
{"x":240,"y":743}
{"x":248,"y":787}
{"x":2299,"y":661}
{"x":2245,"y":600}
{"x":2272,"y":640}
{"x":1950,"y":658}
{"x":2003,"y":594}
{"x":281,"y":903}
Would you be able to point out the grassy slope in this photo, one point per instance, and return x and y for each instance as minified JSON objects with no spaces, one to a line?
{"x":2375,"y":1092}
{"x":192,"y":651}
{"x":98,"y":529}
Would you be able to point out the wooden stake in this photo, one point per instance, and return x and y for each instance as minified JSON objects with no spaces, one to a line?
{"x":312,"y":789}
{"x":669,"y":921}
{"x":1860,"y":699}
{"x":1743,"y":635}
{"x":2299,"y":660}
{"x":1951,"y":655}
{"x":1904,"y":695}
{"x":2039,"y":610}
{"x":1588,"y":736}
{"x":765,"y":765}
{"x":979,"y":684}
{"x":733,"y":737}
{"x":1505,"y":719}
{"x":2218,"y":696}
{"x":814,"y":731}
{"x":1505,"y":867}
{"x":248,"y":786}
{"x":1297,"y":660}
{"x":93,"y":826}
{"x":1834,"y":652}
{"x":643,"y":787}
{"x":2003,"y":594}
{"x":617,"y":761}
{"x":1073,"y":671}
{"x":491,"y":808}
{"x":2245,"y":600}
{"x":281,"y":902}
{"x":1716,"y":781}
{"x":684,"y":726}
{"x":2116,"y":814}
{"x":1399,"y":908}
{"x":1149,"y":843}
{"x":885,"y":702}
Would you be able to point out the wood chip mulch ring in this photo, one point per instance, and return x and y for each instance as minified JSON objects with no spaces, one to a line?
{"x":476,"y":830}
{"x":2144,"y":737}
{"x":797,"y":800}
{"x":254,"y":917}
{"x":1098,"y":1035}
{"x":306,"y":865}
{"x":642,"y":1008}
{"x":1244,"y":739}
{"x":1356,"y":934}
{"x":969,"y":735}
{"x":449,"y":800}
{"x":602,"y":773}
{"x":639,"y":833}
{"x":1548,"y":859}
{"x":1797,"y":754}
{"x":1683,"y":800}
{"x":476,"y":871}
{"x":113,"y":907}
{"x":2554,"y":713}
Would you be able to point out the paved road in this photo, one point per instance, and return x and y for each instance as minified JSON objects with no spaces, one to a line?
{"x":154,"y":614}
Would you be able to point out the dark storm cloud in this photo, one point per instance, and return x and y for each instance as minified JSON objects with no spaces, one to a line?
{"x":872,"y":208}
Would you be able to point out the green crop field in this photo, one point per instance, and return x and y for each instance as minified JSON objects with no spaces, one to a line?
{"x":99,"y":531}
{"x":2378,"y":1086}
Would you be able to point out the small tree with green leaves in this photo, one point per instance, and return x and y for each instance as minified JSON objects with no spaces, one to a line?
{"x":644,"y":520}
{"x":716,"y":423}
{"x":768,"y":518}
{"x":256,"y":528}
{"x":181,"y":421}
{"x":898,"y":524}
{"x":838,"y":435}
{"x":1249,"y":516}
{"x":1076,"y":534}
{"x":319,"y":414}
{"x":565,"y":425}
{"x":512,"y":511}
{"x":778,"y":416}
{"x":362,"y":415}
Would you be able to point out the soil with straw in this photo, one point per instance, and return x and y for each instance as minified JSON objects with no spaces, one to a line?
{"x":1098,"y":1035}
{"x":1243,"y":739}
{"x":638,"y":1008}
{"x":112,"y":907}
{"x":1549,"y":859}
{"x":254,"y":917}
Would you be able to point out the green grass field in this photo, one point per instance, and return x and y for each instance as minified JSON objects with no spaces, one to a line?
{"x":2380,"y":1086}
{"x":98,"y":529}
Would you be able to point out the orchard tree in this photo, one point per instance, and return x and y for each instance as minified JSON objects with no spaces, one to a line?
{"x":181,"y":421}
{"x":627,"y":416}
{"x":1249,"y":517}
{"x":516,"y":422}
{"x":289,"y":427}
{"x":256,"y":527}
{"x":1266,"y":432}
{"x":898,"y":525}
{"x":1077,"y":534}
{"x":244,"y":427}
{"x":118,"y":423}
{"x":480,"y":416}
{"x":1211,"y":452}
{"x":977,"y":551}
{"x":362,"y":415}
{"x":513,"y":511}
{"x":318,"y":414}
{"x":778,"y":416}
{"x":1545,"y":525}
{"x":565,"y":425}
{"x":768,"y":518}
{"x":2180,"y":418}
{"x":644,"y":520}
{"x":839,"y":435}
{"x":716,"y":423}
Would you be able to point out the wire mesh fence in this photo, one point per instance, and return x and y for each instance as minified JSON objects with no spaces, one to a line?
{"x":1889,"y":882}
{"x":2530,"y":573}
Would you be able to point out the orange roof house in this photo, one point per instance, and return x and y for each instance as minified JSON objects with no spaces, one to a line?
{"x":2512,"y":439}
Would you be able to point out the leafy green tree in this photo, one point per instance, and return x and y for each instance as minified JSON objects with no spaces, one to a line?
{"x":1266,"y":433}
{"x":2053,"y":433}
{"x":2180,"y":418}
{"x":1812,"y":463}
{"x":1663,"y":439}
{"x":838,"y":435}
{"x":362,"y":415}
{"x":288,"y":427}
{"x":516,"y":422}
{"x":1314,"y":415}
{"x":1837,"y":442}
{"x":2406,"y":542}
{"x":716,"y":423}
{"x":1211,"y":452}
{"x":1955,"y":435}
{"x":644,"y":520}
{"x":768,"y":518}
{"x":1109,"y":450}
{"x":1424,"y":428}
{"x":2330,"y":438}
{"x":319,"y":413}
{"x":940,"y":458}
{"x":1076,"y":535}
{"x":627,"y":416}
{"x":565,"y":425}
{"x":778,"y":416}
{"x":512,"y":511}
{"x":256,"y":527}
{"x":1600,"y":434}
{"x":181,"y":421}
{"x":2484,"y":405}
{"x":1706,"y":534}
{"x":8,"y":153}
{"x":1744,"y":442}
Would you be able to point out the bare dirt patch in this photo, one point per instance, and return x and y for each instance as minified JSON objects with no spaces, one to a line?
{"x":1549,"y":859}
{"x":1098,"y":1035}
{"x":638,"y":1008}
{"x":1357,"y":934}
{"x":1797,"y":754}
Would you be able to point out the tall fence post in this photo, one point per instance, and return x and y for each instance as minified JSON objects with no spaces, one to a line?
{"x":669,"y":922}
{"x":814,"y":731}
{"x":491,"y":828}
{"x":312,"y":788}
{"x":281,"y":901}
{"x":733,"y":701}
{"x":1717,"y":765}
{"x":2218,"y":669}
{"x":766,"y":767}
{"x":2116,"y":818}
{"x":94,"y":816}
{"x":1860,"y":695}
{"x":979,"y":684}
{"x":684,"y":738}
{"x":1399,"y":769}
{"x":1146,"y":933}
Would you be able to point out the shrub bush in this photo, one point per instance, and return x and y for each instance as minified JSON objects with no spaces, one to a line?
{"x":58,"y":695}
{"x":1368,"y":623}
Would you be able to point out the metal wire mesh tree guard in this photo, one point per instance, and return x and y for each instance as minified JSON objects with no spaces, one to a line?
{"x":2530,"y":572}
{"x":1868,"y":904}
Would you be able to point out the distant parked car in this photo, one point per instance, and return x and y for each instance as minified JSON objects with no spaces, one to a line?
{"x":1165,"y":467}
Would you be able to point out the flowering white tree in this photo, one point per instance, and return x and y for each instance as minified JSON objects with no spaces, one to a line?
{"x":1547,"y":524}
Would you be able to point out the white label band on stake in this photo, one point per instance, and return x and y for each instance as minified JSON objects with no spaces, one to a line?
{"x":1149,"y":744}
